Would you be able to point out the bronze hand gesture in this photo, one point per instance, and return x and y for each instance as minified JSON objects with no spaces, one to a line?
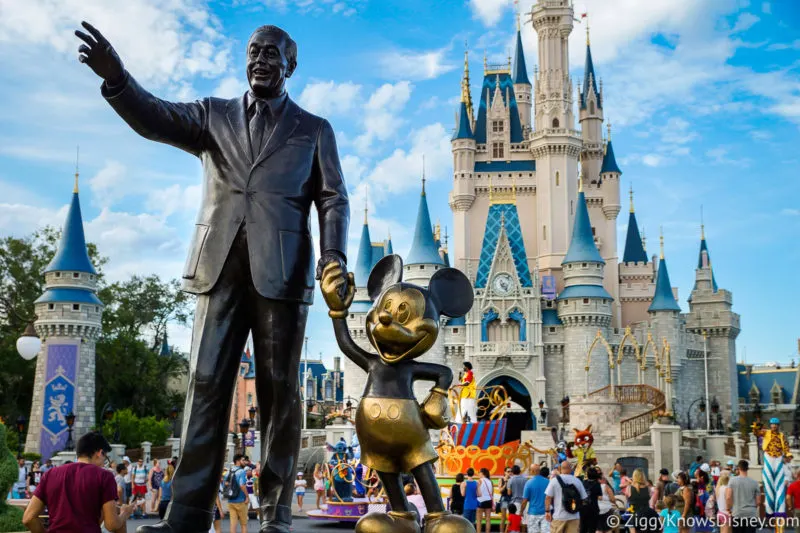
{"x":99,"y":55}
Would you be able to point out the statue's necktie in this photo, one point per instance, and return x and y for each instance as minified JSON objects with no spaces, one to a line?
{"x":258,"y":123}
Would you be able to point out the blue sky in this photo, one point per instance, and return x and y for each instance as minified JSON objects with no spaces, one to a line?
{"x":704,"y":98}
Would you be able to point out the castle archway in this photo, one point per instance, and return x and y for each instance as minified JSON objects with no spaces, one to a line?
{"x":521,"y":416}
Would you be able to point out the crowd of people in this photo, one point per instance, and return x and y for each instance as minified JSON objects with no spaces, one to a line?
{"x":704,"y":498}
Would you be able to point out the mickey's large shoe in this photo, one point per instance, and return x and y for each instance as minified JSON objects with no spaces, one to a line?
{"x":391,"y":522}
{"x":446,"y":522}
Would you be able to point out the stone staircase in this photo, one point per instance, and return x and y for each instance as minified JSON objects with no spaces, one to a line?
{"x":639,"y":404}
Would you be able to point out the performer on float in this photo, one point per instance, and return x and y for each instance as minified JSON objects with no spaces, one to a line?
{"x":775,"y":449}
{"x":468,"y":404}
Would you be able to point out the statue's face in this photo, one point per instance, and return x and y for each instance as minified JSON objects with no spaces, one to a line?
{"x":267,"y":65}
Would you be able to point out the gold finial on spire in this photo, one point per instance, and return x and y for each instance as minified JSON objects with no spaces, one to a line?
{"x":77,"y":163}
{"x":423,"y":174}
{"x":586,"y":16}
{"x":366,"y":205}
{"x":631,"y":194}
{"x":661,"y":240}
{"x":702,"y":225}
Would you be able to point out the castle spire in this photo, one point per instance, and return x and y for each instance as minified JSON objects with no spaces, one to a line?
{"x":589,"y":77}
{"x":423,"y":248}
{"x":634,"y":242}
{"x":423,"y":174}
{"x":519,"y":74}
{"x":582,"y":248}
{"x":72,"y":254}
{"x":663,"y":298}
{"x":464,"y":116}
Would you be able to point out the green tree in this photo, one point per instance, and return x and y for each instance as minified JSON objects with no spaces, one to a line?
{"x":10,"y":517}
{"x":133,"y":431}
{"x":131,"y":372}
{"x":22,"y":263}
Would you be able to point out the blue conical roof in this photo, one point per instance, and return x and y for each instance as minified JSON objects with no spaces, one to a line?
{"x":663,"y":299}
{"x":423,"y":247}
{"x":364,"y":258}
{"x":609,"y":161}
{"x":704,"y":248}
{"x":520,"y":72}
{"x":72,"y":254}
{"x":582,"y":248}
{"x":589,"y":79}
{"x":389,"y":248}
{"x":164,"y":345}
{"x":463,"y":128}
{"x":634,"y":250}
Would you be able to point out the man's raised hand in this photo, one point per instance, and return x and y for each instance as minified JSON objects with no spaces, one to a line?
{"x":99,"y":55}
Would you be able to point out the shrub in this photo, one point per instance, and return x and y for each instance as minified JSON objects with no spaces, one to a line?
{"x":10,"y":517}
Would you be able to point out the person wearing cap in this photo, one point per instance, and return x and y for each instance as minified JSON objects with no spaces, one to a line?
{"x":300,"y":489}
{"x":730,"y":466}
{"x":773,"y":475}
{"x":468,"y":396}
{"x":663,"y":487}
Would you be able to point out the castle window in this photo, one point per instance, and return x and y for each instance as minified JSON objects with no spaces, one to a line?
{"x":591,"y":108}
{"x":497,"y":126}
{"x":96,"y":309}
{"x":455,"y":330}
{"x":557,"y":178}
{"x":497,"y":150}
{"x":544,"y":233}
{"x":249,"y":398}
{"x":549,"y":303}
{"x":76,"y":307}
{"x":584,"y":265}
{"x":586,"y":300}
{"x":552,"y":330}
{"x":555,"y":122}
{"x":50,"y":307}
{"x":571,"y":206}
{"x":76,"y":275}
{"x":422,"y":267}
{"x":58,"y":274}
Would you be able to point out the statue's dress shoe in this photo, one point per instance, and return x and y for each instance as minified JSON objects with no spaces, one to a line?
{"x":391,"y":522}
{"x":446,"y":522}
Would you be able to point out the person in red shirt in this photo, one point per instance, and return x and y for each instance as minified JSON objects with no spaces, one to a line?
{"x":793,"y":496}
{"x":514,"y":520}
{"x":79,"y":496}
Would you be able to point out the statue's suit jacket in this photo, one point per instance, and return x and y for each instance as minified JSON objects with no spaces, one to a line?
{"x":298,"y":165}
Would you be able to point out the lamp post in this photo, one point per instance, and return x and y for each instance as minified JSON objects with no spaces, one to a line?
{"x":21,"y":422}
{"x":107,"y":414}
{"x":29,"y":344}
{"x":702,"y":408}
{"x":542,"y":413}
{"x":173,"y":415}
{"x":70,"y":419}
{"x":705,"y":365}
{"x":252,"y":412}
{"x":717,"y":419}
{"x":244,"y":425}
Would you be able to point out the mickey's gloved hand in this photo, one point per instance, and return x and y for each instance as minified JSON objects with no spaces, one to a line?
{"x":436,"y":410}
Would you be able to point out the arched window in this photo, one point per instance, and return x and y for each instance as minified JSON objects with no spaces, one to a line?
{"x":557,"y":178}
{"x":488,"y":317}
{"x":555,"y":122}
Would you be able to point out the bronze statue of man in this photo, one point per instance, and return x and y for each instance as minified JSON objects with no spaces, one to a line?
{"x":265,"y":161}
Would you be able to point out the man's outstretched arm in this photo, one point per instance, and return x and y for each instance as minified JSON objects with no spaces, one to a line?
{"x":178,"y":124}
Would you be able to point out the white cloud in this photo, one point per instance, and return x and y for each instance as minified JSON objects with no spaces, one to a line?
{"x":110,"y":184}
{"x":159,"y":42}
{"x":653,"y":160}
{"x":231,"y":87}
{"x":794,"y":45}
{"x":175,"y":199}
{"x":402,"y":169}
{"x":382,"y":114}
{"x":415,"y":65}
{"x":744,"y":22}
{"x":719,"y":156}
{"x":766,"y":8}
{"x":315,"y":7}
{"x":328,"y":98}
{"x":489,"y":11}
{"x":791,"y":212}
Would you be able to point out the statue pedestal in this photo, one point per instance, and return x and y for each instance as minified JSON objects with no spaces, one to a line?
{"x":666,"y":439}
{"x":117,"y":452}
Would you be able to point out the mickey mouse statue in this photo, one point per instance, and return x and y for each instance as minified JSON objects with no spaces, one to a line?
{"x":392,"y":427}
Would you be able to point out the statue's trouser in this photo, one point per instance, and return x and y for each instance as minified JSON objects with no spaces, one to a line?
{"x":223,"y":319}
{"x":774,"y":486}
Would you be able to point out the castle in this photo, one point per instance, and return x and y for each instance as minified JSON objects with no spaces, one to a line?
{"x":535,"y":203}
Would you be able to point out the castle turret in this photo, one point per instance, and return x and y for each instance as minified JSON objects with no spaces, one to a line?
{"x":423,"y":259}
{"x":584,"y":306}
{"x":69,"y":324}
{"x":609,"y":179}
{"x":522,"y":85}
{"x":711,"y":313}
{"x":664,"y":314}
{"x":591,"y":119}
{"x":636,"y":286}
{"x":463,"y":193}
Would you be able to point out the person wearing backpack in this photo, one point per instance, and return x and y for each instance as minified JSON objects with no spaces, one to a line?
{"x":564,"y":498}
{"x":235,"y":491}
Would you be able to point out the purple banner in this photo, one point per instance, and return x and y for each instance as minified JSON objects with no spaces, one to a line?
{"x":59,"y":397}
{"x":250,"y":439}
{"x":549,"y":287}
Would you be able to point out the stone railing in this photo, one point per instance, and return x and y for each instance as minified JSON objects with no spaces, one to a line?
{"x":730,"y":448}
{"x":637,"y":425}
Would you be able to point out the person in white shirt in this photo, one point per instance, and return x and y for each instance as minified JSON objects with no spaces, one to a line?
{"x":561,"y":520}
